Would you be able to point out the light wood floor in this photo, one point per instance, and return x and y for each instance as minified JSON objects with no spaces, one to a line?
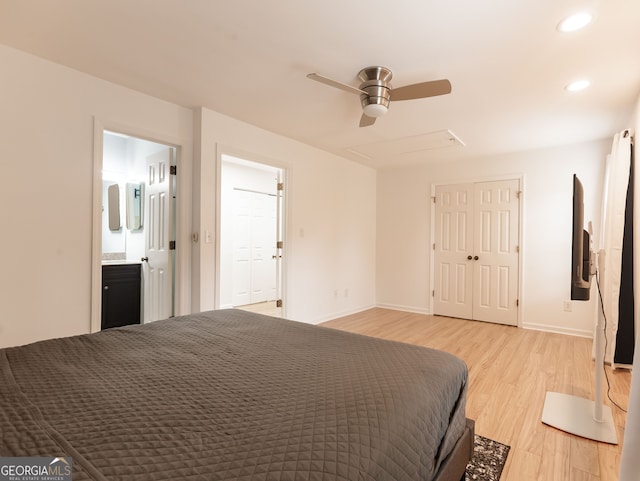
{"x":510,"y":370}
{"x":268,"y":308}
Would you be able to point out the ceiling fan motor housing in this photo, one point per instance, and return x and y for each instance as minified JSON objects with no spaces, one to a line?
{"x":375,"y":81}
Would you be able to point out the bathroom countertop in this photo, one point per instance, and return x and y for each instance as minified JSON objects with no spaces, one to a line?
{"x":115,"y":262}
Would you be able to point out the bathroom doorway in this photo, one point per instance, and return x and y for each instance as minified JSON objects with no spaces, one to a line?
{"x":138,"y":225}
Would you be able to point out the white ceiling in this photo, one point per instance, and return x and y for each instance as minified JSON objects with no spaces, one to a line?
{"x":249,"y":58}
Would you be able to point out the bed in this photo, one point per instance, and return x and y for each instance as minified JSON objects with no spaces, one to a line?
{"x":232,"y":395}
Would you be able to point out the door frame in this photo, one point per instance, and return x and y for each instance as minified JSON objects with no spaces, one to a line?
{"x":521,"y":179}
{"x":285,"y":169}
{"x":182,"y":269}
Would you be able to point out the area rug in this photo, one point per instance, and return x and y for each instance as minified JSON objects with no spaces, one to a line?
{"x":488,"y":460}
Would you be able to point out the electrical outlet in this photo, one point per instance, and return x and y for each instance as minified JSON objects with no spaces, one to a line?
{"x":567,"y":306}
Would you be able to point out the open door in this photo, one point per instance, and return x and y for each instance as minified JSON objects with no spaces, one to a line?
{"x":277,"y":255}
{"x":159,"y":243}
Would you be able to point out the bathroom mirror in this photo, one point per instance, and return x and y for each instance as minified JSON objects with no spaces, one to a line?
{"x":114,"y":206}
{"x":135,"y":192}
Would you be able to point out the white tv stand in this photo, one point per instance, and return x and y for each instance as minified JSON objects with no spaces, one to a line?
{"x":577,"y":415}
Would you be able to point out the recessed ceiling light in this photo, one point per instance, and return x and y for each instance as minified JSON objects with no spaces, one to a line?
{"x":578,"y":85}
{"x":575,"y":22}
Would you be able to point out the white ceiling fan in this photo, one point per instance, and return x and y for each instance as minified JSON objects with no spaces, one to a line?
{"x":376,"y":92}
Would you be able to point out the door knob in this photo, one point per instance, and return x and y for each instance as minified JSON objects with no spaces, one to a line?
{"x":144,"y":259}
{"x":476,"y":258}
{"x":469,"y":257}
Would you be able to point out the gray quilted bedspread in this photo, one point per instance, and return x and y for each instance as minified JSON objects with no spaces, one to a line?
{"x":229,"y":395}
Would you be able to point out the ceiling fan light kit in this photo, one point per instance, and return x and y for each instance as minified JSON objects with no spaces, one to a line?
{"x":375,"y":110}
{"x":375,"y":83}
{"x":376,"y":92}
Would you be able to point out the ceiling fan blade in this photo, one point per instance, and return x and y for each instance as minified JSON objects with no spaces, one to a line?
{"x":334,"y":83}
{"x":366,"y":121}
{"x":421,"y":90}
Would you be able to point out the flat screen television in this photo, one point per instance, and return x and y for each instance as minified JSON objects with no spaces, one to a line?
{"x":575,"y":414}
{"x":580,"y":248}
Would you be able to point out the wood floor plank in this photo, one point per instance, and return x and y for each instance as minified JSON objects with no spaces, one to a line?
{"x":510,"y":371}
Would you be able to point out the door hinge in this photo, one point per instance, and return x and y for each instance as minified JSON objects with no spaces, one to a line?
{"x":517,"y":248}
{"x":433,"y":293}
{"x":434,"y":246}
{"x":434,"y":199}
{"x":279,"y":303}
{"x":172,"y":245}
{"x":517,"y":302}
{"x":173,"y":170}
{"x":279,"y":245}
{"x":280,"y":186}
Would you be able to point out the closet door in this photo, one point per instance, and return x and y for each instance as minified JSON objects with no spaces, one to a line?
{"x":495,"y":265}
{"x":254,"y":241}
{"x":476,"y":251}
{"x":453,"y":290}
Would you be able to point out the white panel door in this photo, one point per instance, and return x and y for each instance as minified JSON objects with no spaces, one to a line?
{"x":254,"y":248}
{"x":476,"y":251}
{"x":157,"y":274}
{"x":261,"y":246}
{"x":268,"y":234}
{"x":453,"y":246}
{"x":495,"y":265}
{"x":241,"y":270}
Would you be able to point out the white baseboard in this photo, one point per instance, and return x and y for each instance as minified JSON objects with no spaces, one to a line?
{"x":396,"y":307}
{"x":558,"y":330}
{"x":340,"y":314}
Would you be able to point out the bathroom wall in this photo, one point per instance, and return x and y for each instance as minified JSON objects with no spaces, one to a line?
{"x":123,"y":162}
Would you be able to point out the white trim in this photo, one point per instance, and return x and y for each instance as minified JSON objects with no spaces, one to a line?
{"x":474,"y":180}
{"x":338,"y":315}
{"x":413,"y":309}
{"x":432,"y":241}
{"x":96,"y":228}
{"x":558,"y":330}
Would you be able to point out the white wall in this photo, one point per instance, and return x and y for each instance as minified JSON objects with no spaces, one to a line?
{"x":404,"y":229}
{"x":47,"y":125}
{"x":331,"y":216}
{"x":114,"y":167}
{"x":348,"y":226}
{"x":47,"y":122}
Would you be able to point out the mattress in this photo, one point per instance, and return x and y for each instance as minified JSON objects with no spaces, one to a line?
{"x":231,"y":395}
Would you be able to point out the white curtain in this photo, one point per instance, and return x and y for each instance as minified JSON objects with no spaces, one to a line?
{"x":614,"y":195}
{"x":630,"y":462}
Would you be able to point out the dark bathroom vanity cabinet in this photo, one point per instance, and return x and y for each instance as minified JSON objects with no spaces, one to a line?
{"x":121,"y":295}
